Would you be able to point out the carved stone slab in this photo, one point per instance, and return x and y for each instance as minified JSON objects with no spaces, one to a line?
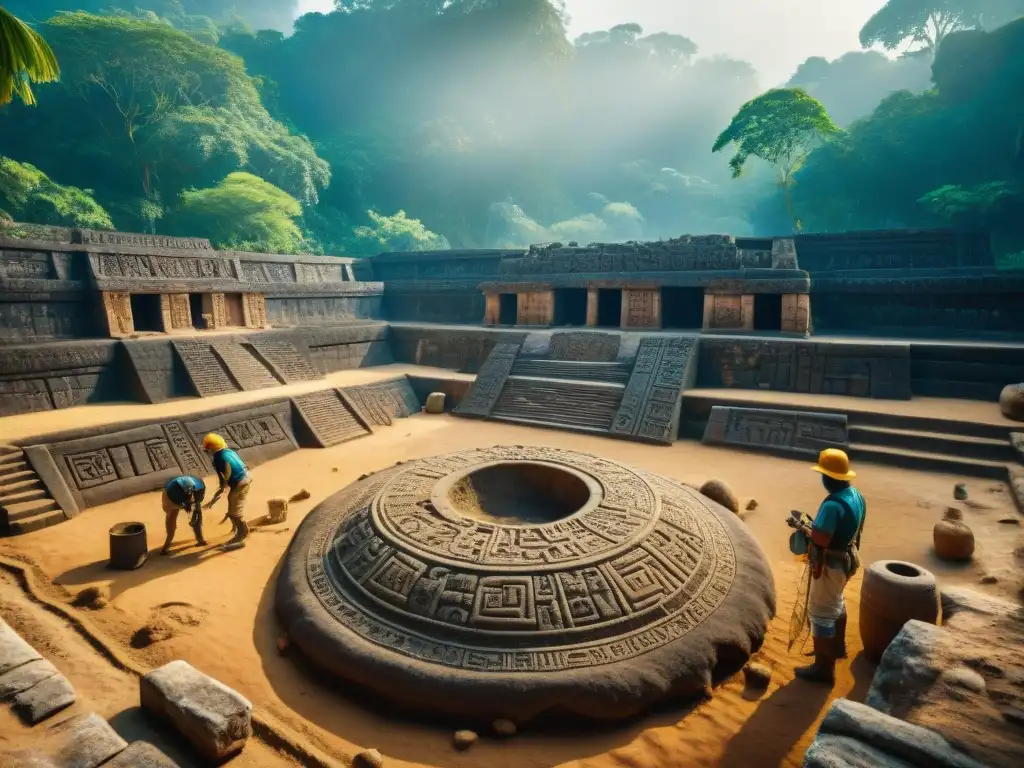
{"x":575,"y":405}
{"x":382,"y":402}
{"x":584,"y":347}
{"x":114,"y":465}
{"x":246,"y":371}
{"x":651,"y":404}
{"x":284,"y":360}
{"x":791,"y":433}
{"x":259,"y":433}
{"x":481,"y":398}
{"x":329,"y":418}
{"x":204,"y":368}
{"x":633,"y":589}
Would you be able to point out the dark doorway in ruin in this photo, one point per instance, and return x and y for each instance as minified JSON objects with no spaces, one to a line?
{"x":146,"y":315}
{"x":768,"y":312}
{"x":508,"y":309}
{"x":609,"y":307}
{"x":235,"y":312}
{"x":195,"y":308}
{"x":682,"y":308}
{"x":571,"y":306}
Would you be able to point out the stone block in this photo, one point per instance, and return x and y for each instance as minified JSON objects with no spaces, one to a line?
{"x":141,"y":754}
{"x":959,"y":682}
{"x":44,"y":699}
{"x":213,"y":718}
{"x":789,"y":433}
{"x":13,"y":650}
{"x":82,"y":741}
{"x":24,"y":677}
{"x":896,"y":739}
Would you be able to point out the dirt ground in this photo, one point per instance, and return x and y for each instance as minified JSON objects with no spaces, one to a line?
{"x":218,"y":607}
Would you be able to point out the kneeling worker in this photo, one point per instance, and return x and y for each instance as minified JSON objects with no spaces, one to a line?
{"x":183,"y":493}
{"x":234,"y":477}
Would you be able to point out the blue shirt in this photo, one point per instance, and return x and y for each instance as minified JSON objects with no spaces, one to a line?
{"x":840,"y":523}
{"x":185,"y":490}
{"x":231,"y":470}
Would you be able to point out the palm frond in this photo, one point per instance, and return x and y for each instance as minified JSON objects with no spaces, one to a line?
{"x":24,"y":58}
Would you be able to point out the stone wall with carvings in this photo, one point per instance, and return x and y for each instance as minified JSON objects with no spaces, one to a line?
{"x":89,"y":467}
{"x":321,"y":310}
{"x":463,"y":350}
{"x":59,"y":375}
{"x":828,"y":368}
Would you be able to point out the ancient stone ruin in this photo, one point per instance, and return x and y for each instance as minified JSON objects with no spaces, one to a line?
{"x":515,"y":581}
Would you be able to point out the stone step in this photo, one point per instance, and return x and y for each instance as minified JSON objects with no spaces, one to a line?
{"x":928,"y":461}
{"x":964,"y":446}
{"x":36,"y":522}
{"x":572,"y":370}
{"x":33,"y":492}
{"x":10,"y":484}
{"x":559,"y":403}
{"x":26,"y":509}
{"x":246,"y":371}
{"x":9,"y":450}
{"x":14,"y":470}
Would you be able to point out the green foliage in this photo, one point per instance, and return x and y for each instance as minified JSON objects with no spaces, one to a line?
{"x":24,"y":58}
{"x":851,"y":86}
{"x":28,"y":194}
{"x":394,"y":233}
{"x":979,"y":202}
{"x":144,"y":111}
{"x":242,"y":212}
{"x":780,"y":126}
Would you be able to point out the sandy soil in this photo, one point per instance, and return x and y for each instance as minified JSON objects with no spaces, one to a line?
{"x":219,"y":605}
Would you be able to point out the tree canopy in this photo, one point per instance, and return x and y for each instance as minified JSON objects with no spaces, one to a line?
{"x":28,"y":194}
{"x":25,"y":58}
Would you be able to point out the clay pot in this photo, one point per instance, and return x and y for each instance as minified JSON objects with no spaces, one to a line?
{"x":953,"y":539}
{"x":893,"y":593}
{"x":128,"y":546}
{"x":1011,"y":401}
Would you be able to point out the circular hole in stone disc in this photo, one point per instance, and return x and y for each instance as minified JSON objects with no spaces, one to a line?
{"x":518,"y":493}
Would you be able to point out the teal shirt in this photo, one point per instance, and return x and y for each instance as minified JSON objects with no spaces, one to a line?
{"x":834,"y":519}
{"x":230,"y":468}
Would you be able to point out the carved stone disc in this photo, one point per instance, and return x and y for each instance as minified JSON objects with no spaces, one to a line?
{"x":510,"y":581}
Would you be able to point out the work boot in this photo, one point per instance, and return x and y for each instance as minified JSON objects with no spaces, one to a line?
{"x":824,"y":667}
{"x":241,"y":530}
{"x":840,"y":637}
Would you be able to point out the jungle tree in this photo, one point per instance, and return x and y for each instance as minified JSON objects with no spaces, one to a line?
{"x":24,"y":58}
{"x":781,"y":126}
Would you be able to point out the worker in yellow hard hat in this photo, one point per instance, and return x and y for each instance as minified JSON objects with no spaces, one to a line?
{"x":235,"y":478}
{"x":834,"y":543}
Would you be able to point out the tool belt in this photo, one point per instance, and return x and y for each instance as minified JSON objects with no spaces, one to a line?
{"x":845,"y":560}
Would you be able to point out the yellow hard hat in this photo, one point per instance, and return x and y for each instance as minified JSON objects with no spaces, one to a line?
{"x":213,"y":443}
{"x":834,"y":463}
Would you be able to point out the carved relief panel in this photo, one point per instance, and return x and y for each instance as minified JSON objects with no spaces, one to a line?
{"x":796,"y":312}
{"x":641,"y":308}
{"x":536,"y":308}
{"x":255,"y":309}
{"x":117,"y":310}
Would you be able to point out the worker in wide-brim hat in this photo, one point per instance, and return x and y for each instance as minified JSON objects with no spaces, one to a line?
{"x":833,"y":543}
{"x":234,"y":477}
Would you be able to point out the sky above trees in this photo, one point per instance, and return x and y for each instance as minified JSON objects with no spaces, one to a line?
{"x":774,"y":36}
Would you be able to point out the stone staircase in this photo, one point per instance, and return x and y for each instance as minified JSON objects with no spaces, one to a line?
{"x":574,"y":405}
{"x":572,"y":370}
{"x":246,"y":371}
{"x":25,"y":505}
{"x":935,"y":445}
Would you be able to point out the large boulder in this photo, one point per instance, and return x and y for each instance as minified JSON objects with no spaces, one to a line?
{"x":858,"y":732}
{"x":214,"y":719}
{"x":958,"y":683}
{"x":1011,"y":401}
